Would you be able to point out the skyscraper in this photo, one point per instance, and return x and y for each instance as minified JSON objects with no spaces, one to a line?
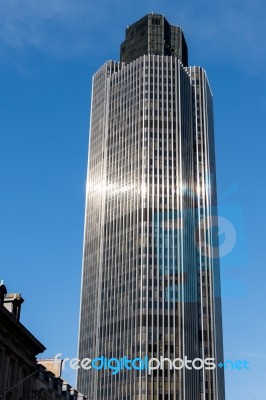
{"x":151,"y":280}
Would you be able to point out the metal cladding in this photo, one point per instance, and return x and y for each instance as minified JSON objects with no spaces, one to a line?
{"x":150,"y":284}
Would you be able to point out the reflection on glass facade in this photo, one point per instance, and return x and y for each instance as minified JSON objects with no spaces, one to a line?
{"x":150,"y":284}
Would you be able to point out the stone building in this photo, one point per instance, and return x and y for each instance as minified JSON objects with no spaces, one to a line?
{"x":21,"y":376}
{"x":49,"y":385}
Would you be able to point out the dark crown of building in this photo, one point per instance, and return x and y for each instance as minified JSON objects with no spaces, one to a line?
{"x":154,"y":35}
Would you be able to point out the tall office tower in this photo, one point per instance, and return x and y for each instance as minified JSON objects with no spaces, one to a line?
{"x":150,"y":284}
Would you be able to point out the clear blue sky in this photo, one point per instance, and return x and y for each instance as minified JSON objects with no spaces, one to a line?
{"x":48,"y":53}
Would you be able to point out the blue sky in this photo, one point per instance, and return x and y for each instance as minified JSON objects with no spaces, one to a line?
{"x":48,"y":53}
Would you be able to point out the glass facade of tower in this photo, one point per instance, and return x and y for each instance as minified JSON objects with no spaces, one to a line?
{"x":150,"y":284}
